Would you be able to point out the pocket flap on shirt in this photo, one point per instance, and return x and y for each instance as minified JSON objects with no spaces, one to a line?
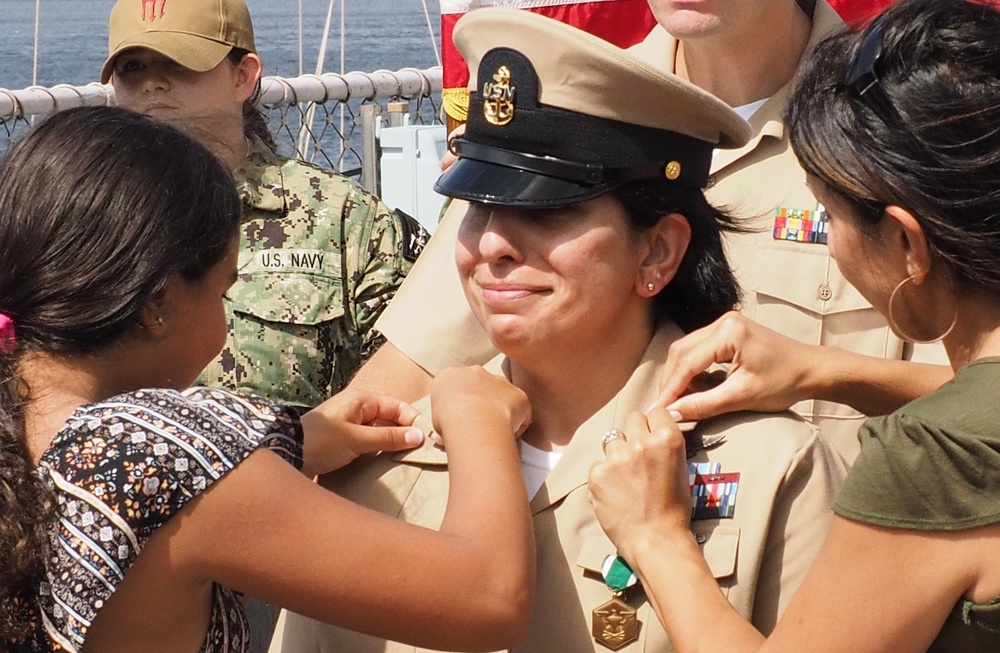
{"x":593,"y":552}
{"x":287,"y":297}
{"x":802,"y":275}
{"x":722,"y":542}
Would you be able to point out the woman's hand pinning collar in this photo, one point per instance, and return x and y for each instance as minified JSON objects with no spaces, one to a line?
{"x":767,"y":370}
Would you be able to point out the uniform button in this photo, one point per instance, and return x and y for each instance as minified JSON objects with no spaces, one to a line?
{"x":711,"y":181}
{"x":825,"y":292}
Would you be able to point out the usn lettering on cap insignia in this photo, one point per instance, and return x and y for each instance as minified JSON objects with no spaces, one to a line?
{"x":498,"y":98}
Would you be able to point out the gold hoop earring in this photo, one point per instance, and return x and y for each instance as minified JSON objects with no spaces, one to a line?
{"x":894,"y":325}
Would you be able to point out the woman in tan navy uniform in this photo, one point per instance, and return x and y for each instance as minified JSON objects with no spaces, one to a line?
{"x":788,"y":280}
{"x":588,"y":248}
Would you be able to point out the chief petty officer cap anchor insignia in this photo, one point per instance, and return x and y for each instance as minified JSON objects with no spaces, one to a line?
{"x":559,"y":116}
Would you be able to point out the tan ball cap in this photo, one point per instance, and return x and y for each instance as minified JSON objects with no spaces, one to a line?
{"x":559,"y":116}
{"x":197,"y":34}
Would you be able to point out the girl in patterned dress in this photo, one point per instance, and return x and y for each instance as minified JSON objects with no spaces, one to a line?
{"x":136,"y":513}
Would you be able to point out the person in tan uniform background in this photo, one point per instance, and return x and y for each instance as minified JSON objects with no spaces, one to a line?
{"x":588,"y":249}
{"x":788,"y":280}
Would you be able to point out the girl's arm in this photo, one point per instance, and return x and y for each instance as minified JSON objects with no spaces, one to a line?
{"x":265,"y":530}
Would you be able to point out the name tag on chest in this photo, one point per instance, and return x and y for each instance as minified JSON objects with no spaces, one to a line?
{"x":315,"y":261}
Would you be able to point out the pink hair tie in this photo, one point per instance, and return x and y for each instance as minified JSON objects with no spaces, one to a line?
{"x":8,"y":341}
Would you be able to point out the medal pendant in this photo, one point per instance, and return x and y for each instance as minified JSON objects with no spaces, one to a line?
{"x":615,"y":624}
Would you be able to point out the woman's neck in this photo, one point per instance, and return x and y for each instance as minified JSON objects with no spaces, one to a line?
{"x":734,"y":64}
{"x":566,"y":387}
{"x":223,"y":135}
{"x":977,"y":330}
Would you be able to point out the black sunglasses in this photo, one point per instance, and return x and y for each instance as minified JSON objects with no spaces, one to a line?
{"x":863,"y":76}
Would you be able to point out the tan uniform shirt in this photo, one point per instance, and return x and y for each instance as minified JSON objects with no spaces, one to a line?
{"x":794,"y":288}
{"x":788,"y":479}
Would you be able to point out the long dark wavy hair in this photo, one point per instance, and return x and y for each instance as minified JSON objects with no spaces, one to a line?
{"x":100,"y":206}
{"x":925,"y":136}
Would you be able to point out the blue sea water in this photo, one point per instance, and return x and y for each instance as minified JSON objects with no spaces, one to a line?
{"x":73,"y":34}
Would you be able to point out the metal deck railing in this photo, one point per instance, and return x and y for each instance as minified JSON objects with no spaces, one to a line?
{"x":318,"y":118}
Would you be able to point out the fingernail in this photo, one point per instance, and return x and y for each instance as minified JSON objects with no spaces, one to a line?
{"x":435,"y":437}
{"x":413,"y":436}
{"x":675,"y":415}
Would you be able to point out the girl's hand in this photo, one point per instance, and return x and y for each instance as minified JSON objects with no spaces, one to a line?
{"x":449,"y":158}
{"x":352,"y":423}
{"x":458,"y":392}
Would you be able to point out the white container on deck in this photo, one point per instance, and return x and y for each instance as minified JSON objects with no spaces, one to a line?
{"x":409,"y":166}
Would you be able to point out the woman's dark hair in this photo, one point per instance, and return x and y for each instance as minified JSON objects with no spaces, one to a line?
{"x":100,"y":207}
{"x":907,"y":112}
{"x":704,"y":287}
{"x":254,"y":121}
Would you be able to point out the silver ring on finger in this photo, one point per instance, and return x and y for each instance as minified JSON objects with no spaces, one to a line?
{"x":613,"y":434}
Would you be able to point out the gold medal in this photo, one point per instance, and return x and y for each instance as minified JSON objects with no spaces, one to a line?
{"x":615,"y":624}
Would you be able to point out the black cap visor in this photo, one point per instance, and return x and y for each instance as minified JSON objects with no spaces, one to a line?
{"x":493,"y":175}
{"x":490,"y":183}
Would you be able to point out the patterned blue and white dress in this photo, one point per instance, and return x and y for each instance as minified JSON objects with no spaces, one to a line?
{"x":122,"y":468}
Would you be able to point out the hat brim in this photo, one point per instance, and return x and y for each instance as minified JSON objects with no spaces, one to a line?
{"x":489,"y":183}
{"x":194,"y":52}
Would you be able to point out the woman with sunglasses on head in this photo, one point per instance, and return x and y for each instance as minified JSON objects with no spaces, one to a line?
{"x":898,"y":128}
{"x":137,"y":514}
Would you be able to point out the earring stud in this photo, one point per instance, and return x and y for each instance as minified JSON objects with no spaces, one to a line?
{"x":650,"y":287}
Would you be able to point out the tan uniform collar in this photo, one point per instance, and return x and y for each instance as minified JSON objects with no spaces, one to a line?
{"x":767,"y":121}
{"x":585,"y":447}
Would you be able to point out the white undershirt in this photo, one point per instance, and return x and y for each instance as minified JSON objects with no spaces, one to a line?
{"x":536,"y":466}
{"x":748,"y":110}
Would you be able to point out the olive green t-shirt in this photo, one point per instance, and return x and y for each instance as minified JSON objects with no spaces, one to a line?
{"x":935,"y":465}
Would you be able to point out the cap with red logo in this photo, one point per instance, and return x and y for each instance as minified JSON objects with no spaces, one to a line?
{"x":197,"y":34}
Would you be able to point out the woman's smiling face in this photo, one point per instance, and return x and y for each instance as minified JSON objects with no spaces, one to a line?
{"x":552,"y":278}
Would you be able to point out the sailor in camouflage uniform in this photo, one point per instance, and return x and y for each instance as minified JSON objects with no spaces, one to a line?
{"x":319,"y":256}
{"x":319,"y":260}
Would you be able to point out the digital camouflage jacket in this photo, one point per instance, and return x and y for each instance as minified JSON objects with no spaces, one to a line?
{"x":320,"y":258}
